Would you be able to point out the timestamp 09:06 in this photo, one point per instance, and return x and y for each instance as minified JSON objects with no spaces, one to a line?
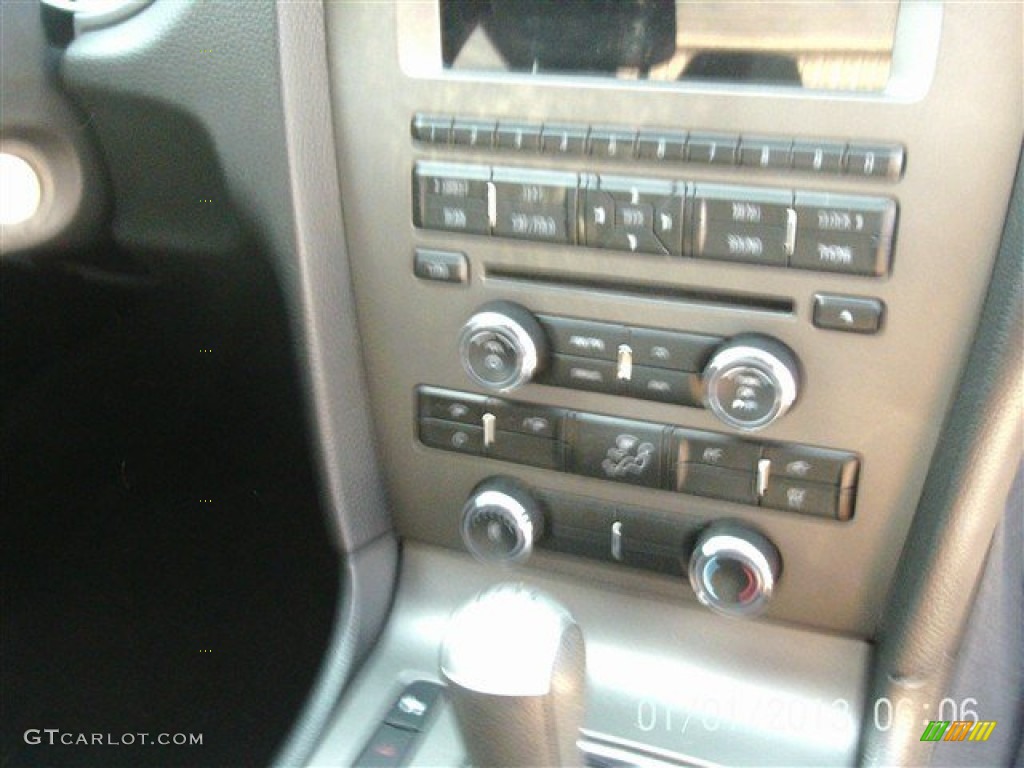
{"x":886,"y":712}
{"x":788,"y":714}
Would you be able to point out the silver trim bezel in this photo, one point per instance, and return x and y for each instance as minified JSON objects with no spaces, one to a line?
{"x":527,"y":354}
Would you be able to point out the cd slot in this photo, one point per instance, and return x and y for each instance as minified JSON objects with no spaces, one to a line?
{"x":636,"y":289}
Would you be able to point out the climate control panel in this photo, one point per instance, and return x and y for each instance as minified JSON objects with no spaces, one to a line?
{"x":748,"y":381}
{"x":781,"y":476}
{"x":732,"y":568}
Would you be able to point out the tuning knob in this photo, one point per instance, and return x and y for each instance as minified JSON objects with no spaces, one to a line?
{"x":501,"y":521}
{"x":751,"y":381}
{"x":502,"y":346}
{"x":733,"y":570}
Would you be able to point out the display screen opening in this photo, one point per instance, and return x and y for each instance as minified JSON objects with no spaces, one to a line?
{"x":843,"y":45}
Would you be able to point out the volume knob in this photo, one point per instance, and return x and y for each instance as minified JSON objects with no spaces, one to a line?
{"x":501,"y":521}
{"x":751,"y":381}
{"x":502,"y":346}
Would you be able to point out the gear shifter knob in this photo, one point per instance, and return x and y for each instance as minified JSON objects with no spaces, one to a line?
{"x":515,"y":664}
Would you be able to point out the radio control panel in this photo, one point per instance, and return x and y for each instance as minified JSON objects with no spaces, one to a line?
{"x":796,"y":229}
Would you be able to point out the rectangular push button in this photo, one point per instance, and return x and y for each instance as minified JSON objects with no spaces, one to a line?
{"x":449,"y":436}
{"x":478,"y":134}
{"x":875,"y":160}
{"x":535,"y":420}
{"x":534,"y":205}
{"x":611,"y":143}
{"x":661,"y":147}
{"x":765,"y":153}
{"x":451,"y":197}
{"x":804,"y":497}
{"x":387,"y":748}
{"x":847,"y":254}
{"x":584,"y":338}
{"x":815,"y":465}
{"x":583,"y":373}
{"x":448,"y":405}
{"x":716,"y":483}
{"x":519,"y":137}
{"x":848,"y":313}
{"x":741,"y":205}
{"x":668,"y":349}
{"x":693,"y":447}
{"x":526,"y":449}
{"x":746,"y":243}
{"x":432,"y":129}
{"x":845,"y":214}
{"x":818,"y":157}
{"x":676,"y":387}
{"x":740,"y":224}
{"x":617,"y":449}
{"x":441,"y":266}
{"x":712,"y":149}
{"x":563,"y":140}
{"x":415,"y":706}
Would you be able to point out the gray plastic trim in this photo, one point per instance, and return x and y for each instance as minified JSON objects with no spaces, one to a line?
{"x":686,"y":684}
{"x":208,"y":144}
{"x":964,"y":499}
{"x":216,"y":126}
{"x":366,"y":583}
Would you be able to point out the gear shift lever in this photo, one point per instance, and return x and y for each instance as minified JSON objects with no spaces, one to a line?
{"x":515,"y":663}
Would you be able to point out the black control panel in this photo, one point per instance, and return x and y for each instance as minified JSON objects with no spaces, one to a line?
{"x":645,"y":363}
{"x":788,"y":477}
{"x":872,"y":160}
{"x":797,"y":229}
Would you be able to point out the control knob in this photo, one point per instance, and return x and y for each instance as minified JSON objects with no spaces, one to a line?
{"x":751,"y":381}
{"x":502,"y":346}
{"x":501,"y":521}
{"x":733,"y":570}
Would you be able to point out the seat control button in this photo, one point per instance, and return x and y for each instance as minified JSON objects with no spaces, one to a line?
{"x":801,"y":496}
{"x":617,"y":449}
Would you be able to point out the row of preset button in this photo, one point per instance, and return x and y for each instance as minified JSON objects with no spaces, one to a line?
{"x":850,"y":234}
{"x":878,"y":160}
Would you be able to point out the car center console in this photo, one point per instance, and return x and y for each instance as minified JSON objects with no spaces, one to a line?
{"x":609,"y":315}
